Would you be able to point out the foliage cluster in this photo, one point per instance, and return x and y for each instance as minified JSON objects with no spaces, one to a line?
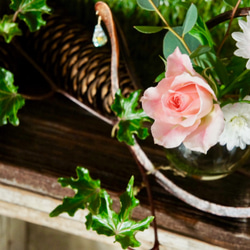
{"x":102,"y":218}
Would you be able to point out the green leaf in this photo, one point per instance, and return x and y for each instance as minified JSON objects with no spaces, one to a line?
{"x":119,"y":224}
{"x":236,"y":66}
{"x":31,"y":11}
{"x":199,"y":51}
{"x":218,"y":69}
{"x":170,"y":42}
{"x":232,"y":3}
{"x":145,"y":4}
{"x":160,"y":77}
{"x":128,"y":201}
{"x":202,"y":33}
{"x":131,"y":117}
{"x":8,"y":28}
{"x":10,"y":100}
{"x":88,"y":193}
{"x":148,"y":29}
{"x":190,"y":19}
{"x":239,"y":83}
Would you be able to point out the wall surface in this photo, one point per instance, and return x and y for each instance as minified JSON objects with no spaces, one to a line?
{"x":20,"y":235}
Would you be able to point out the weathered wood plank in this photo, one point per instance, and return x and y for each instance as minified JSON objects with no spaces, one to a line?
{"x":55,"y":136}
{"x":12,"y":234}
{"x":34,"y":208}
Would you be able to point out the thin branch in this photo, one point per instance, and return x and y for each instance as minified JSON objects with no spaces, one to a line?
{"x":82,"y":105}
{"x":229,"y":26}
{"x":203,"y":205}
{"x":38,"y":97}
{"x":150,"y":197}
{"x":169,"y":27}
{"x":159,"y":13}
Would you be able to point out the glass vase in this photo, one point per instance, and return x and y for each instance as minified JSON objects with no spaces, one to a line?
{"x":216,"y":164}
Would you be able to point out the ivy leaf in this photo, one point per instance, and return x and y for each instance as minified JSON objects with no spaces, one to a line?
{"x":190,"y":19}
{"x":31,"y":11}
{"x":8,"y":28}
{"x":119,"y":224}
{"x":87,"y":190}
{"x":10,"y":100}
{"x":132,"y":117}
{"x":148,"y":29}
{"x":145,"y":4}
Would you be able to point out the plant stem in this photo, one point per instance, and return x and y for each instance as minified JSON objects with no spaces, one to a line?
{"x":150,"y":197}
{"x":169,"y":28}
{"x":159,"y":13}
{"x":229,"y":26}
{"x":15,"y":16}
{"x":39,"y":97}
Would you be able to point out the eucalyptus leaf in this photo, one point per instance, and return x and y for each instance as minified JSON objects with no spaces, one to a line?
{"x":170,"y":42}
{"x":148,"y":29}
{"x":199,"y":51}
{"x":190,"y":19}
{"x":145,"y":4}
{"x":31,"y":11}
{"x":8,"y":28}
{"x":10,"y":100}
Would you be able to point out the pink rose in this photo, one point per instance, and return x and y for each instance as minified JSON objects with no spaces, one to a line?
{"x":183,"y":109}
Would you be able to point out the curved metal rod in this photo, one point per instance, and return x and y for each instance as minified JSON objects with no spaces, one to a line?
{"x":103,"y":10}
{"x":137,"y":152}
{"x":203,"y":205}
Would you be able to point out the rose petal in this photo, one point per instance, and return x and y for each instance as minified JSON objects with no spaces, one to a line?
{"x":171,"y":136}
{"x":178,"y":63}
{"x":208,"y":132}
{"x":189,"y":79}
{"x":206,"y":102}
{"x":151,"y":99}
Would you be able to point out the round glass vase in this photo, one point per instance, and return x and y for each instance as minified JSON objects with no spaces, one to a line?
{"x":216,"y":164}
